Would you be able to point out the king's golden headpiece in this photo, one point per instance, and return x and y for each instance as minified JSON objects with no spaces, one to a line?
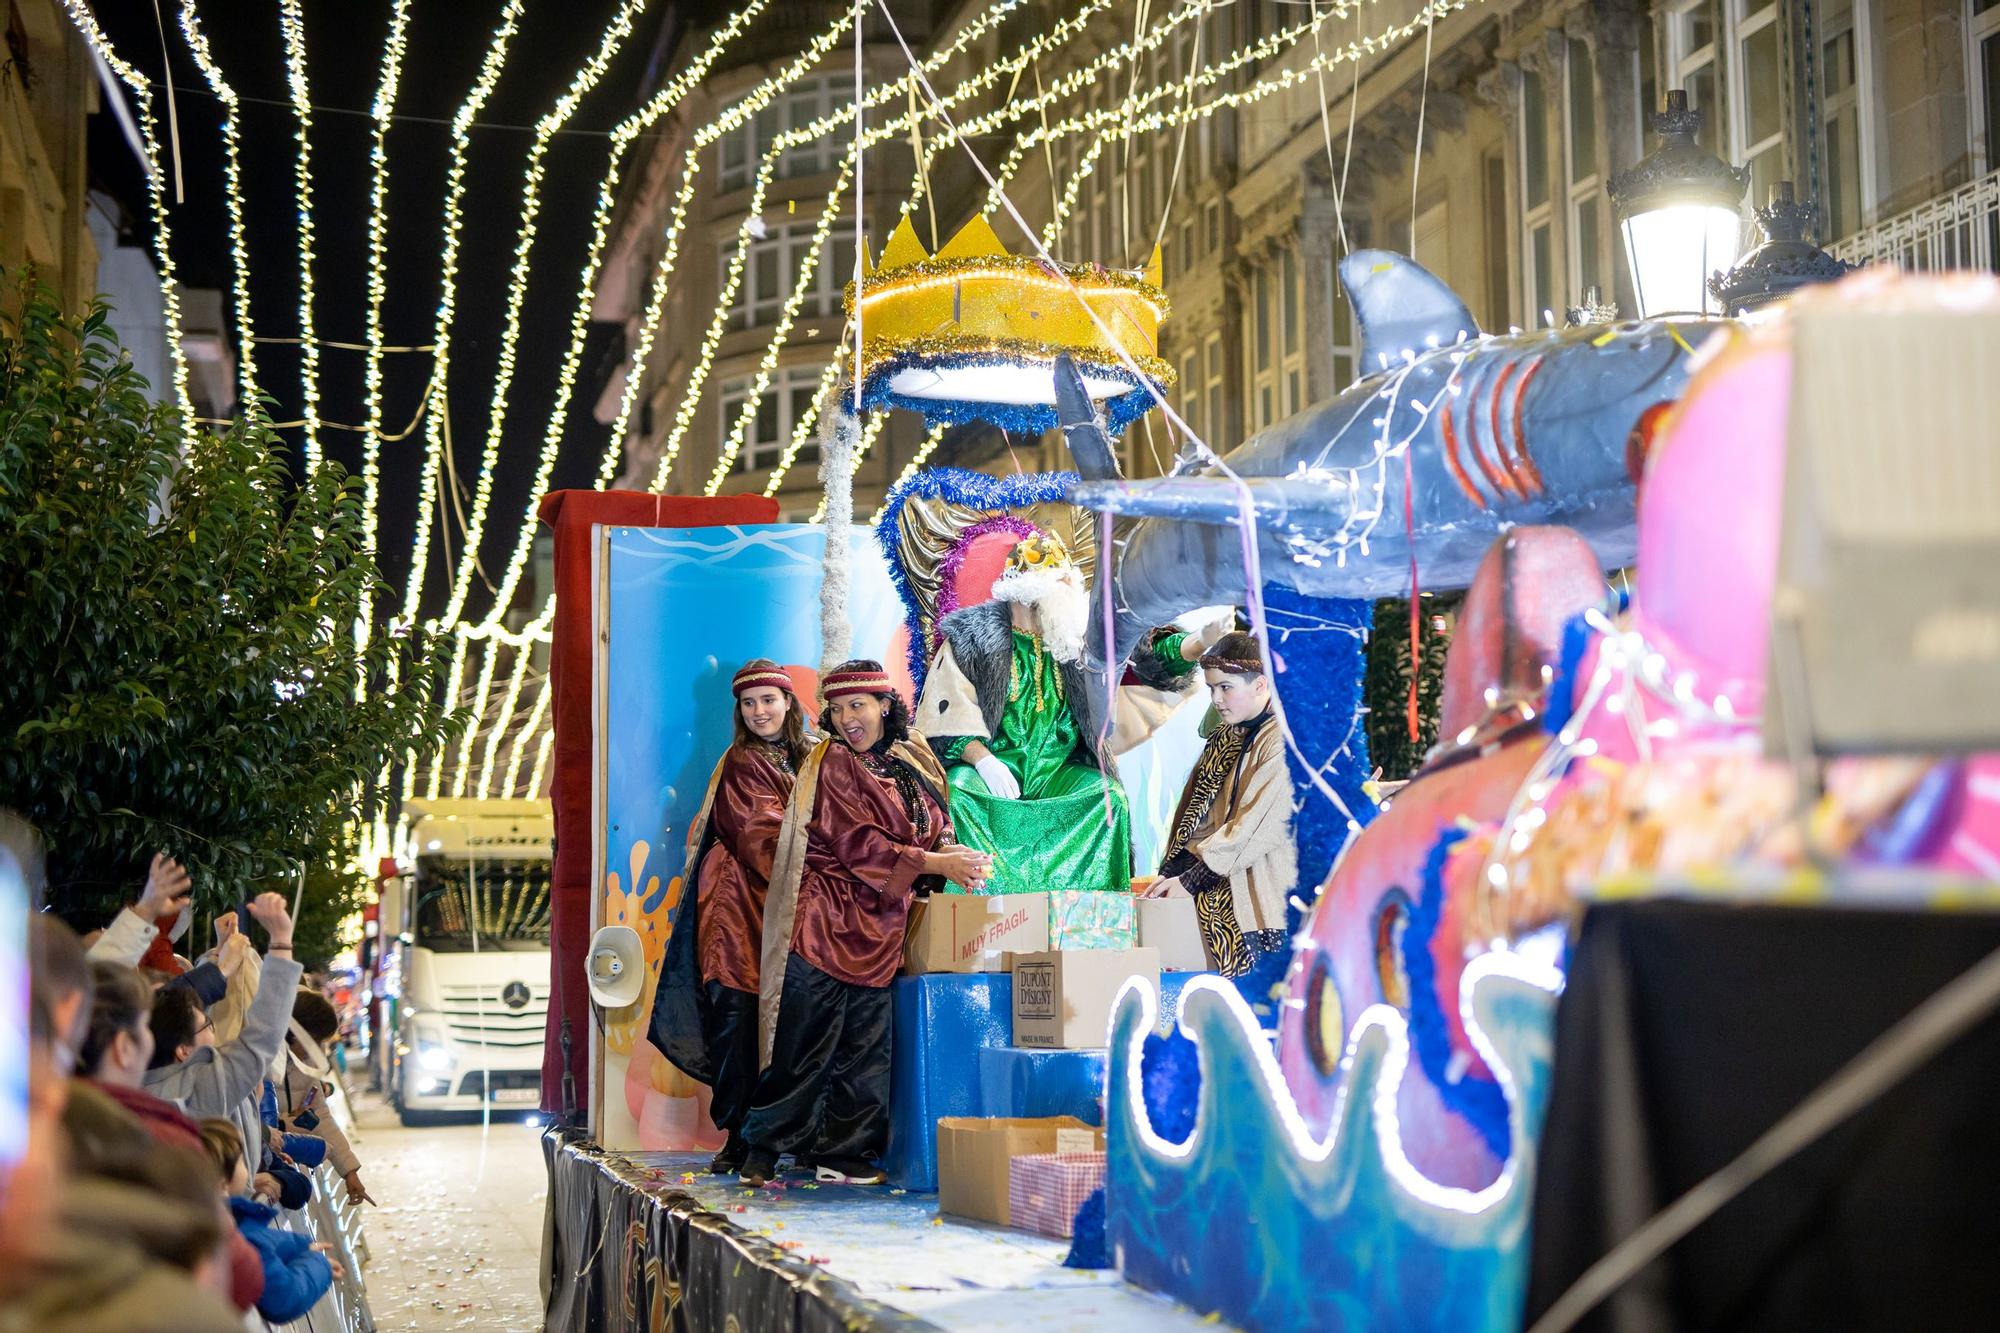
{"x":972,"y":332}
{"x":1044,"y":552}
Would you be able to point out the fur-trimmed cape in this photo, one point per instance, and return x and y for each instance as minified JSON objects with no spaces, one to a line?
{"x":965,"y":692}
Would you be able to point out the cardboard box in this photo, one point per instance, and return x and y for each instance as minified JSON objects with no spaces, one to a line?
{"x":1063,"y":998}
{"x":973,"y":932}
{"x":1091,"y":919}
{"x":975,"y":1158}
{"x":1046,"y":1190}
{"x":1168,"y":924}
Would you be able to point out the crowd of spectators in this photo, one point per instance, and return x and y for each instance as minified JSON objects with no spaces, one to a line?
{"x":177,"y":1110}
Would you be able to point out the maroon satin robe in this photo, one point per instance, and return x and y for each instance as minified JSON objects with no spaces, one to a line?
{"x":745,"y":816}
{"x":863,"y":855}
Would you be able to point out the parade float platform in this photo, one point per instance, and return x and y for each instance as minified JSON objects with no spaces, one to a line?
{"x":645,"y":1240}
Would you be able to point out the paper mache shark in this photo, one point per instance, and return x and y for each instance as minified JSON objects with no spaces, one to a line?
{"x":1450,"y":437}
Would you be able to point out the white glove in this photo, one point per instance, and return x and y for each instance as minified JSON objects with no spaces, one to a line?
{"x":1211,"y":634}
{"x":1000,"y":779}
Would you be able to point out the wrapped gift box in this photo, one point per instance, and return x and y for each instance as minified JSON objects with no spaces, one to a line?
{"x":1091,"y":919}
{"x":1044,"y":1190}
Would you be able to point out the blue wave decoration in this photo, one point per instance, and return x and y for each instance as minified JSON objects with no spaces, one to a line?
{"x":1254,"y":1219}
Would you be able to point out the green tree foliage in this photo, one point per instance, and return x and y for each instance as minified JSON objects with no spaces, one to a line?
{"x":1387,"y":688}
{"x":181,"y":672}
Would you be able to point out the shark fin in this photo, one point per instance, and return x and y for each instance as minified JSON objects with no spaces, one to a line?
{"x":1401,"y":308}
{"x":1212,"y":499}
{"x":1095,"y":459}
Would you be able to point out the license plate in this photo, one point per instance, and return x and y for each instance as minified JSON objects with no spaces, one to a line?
{"x":517,"y":1096}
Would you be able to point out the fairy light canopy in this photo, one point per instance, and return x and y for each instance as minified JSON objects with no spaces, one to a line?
{"x":972,"y":332}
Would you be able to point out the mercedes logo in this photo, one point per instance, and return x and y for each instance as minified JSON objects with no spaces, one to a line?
{"x":515,"y":995}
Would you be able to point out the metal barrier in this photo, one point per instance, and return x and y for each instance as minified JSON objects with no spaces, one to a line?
{"x":331,"y":1218}
{"x":1958,"y":230}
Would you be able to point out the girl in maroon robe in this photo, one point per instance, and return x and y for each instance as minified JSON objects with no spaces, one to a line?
{"x":712,"y":974}
{"x":868,"y":828}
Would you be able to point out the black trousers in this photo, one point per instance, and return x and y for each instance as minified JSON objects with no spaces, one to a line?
{"x":826,"y":1090}
{"x":729,"y":1030}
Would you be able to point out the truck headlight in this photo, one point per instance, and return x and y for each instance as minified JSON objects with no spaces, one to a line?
{"x":434,"y":1058}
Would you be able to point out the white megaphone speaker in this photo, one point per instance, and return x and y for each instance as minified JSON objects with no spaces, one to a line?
{"x":617,"y":966}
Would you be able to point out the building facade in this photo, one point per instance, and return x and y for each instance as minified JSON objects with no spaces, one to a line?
{"x":1483,"y":147}
{"x":48,"y":89}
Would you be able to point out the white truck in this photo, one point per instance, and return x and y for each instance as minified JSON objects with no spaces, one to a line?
{"x":464,"y":975}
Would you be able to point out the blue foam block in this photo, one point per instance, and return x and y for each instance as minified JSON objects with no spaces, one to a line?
{"x":1019,"y":1081}
{"x":945,"y":1024}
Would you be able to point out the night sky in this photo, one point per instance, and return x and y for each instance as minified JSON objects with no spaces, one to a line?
{"x":345,"y":42}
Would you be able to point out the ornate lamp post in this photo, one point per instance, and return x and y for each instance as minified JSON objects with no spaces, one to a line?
{"x":1786,"y":260}
{"x":1679,"y":211}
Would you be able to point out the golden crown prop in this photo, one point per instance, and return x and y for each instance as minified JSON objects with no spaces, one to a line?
{"x":971,"y":333}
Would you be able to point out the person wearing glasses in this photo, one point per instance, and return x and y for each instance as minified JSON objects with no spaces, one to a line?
{"x":189,"y":1069}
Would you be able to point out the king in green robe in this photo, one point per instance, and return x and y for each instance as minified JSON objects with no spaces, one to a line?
{"x":1015,"y":710}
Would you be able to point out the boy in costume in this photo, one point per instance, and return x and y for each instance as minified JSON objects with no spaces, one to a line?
{"x":1230,"y":845}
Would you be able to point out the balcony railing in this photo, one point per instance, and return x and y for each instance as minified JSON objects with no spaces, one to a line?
{"x":1956,"y":230}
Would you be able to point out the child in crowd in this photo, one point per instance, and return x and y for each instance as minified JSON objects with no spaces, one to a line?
{"x":297,"y":1271}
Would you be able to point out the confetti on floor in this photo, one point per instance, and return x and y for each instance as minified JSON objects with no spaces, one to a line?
{"x":963,"y":1276}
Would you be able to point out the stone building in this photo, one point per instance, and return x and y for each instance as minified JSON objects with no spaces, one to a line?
{"x":1525,"y":110}
{"x":49,"y":89}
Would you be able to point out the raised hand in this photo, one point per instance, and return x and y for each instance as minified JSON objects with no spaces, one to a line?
{"x":275,"y":918}
{"x":167,"y":889}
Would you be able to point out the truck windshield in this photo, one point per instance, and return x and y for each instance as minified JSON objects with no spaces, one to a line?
{"x":497,"y":904}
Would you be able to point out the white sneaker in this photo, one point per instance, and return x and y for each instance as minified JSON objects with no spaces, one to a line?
{"x":872,"y":1175}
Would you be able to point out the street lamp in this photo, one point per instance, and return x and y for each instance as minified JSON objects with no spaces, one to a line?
{"x":1783,"y":263}
{"x":1678,"y":209}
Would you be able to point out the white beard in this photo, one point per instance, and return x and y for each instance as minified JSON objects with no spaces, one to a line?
{"x":1061,"y":609}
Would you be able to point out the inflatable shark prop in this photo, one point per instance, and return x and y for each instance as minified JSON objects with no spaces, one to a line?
{"x":1450,"y":438}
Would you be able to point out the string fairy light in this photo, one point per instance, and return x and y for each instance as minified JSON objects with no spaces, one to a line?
{"x":1065,"y":87}
{"x":381,"y":111}
{"x":1062,"y":89}
{"x":142,"y":92}
{"x":232,"y":194}
{"x":1187,"y":114}
{"x":893,"y":129}
{"x":461,"y":769}
{"x":732,"y":118}
{"x":586,"y":79}
{"x":291,"y":22}
{"x":542,"y":753}
{"x":622,"y":137}
{"x":435,"y":424}
{"x":523,"y":656}
{"x":518,"y":751}
{"x":1245,"y":502}
{"x":454,"y":678}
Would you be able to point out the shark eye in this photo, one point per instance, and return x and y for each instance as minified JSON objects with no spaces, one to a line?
{"x":1639,"y":444}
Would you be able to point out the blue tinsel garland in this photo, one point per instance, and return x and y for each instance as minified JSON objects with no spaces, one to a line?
{"x":1479,"y":1100}
{"x":1017,"y":418}
{"x":1087,"y":1248}
{"x":974,"y":490}
{"x":1560,"y":702}
{"x":1322,"y":641}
